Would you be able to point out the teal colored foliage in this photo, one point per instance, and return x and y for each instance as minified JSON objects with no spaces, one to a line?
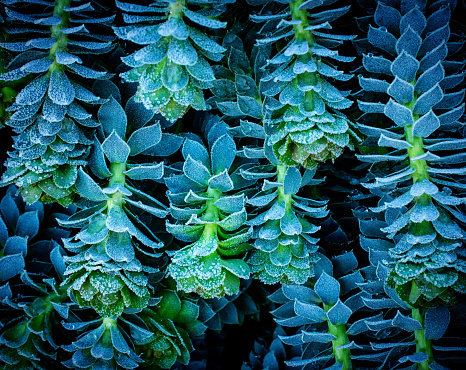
{"x":232,"y":184}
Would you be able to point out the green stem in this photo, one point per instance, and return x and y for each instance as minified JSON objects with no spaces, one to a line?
{"x":118,"y":177}
{"x":342,"y":355}
{"x":422,"y":344}
{"x":176,"y":9}
{"x":281,"y":172}
{"x":62,"y":39}
{"x":301,"y":15}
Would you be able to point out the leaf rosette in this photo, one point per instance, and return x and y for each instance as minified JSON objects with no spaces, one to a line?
{"x":53,"y":128}
{"x":106,"y":272}
{"x":211,"y":215}
{"x":173,"y":69}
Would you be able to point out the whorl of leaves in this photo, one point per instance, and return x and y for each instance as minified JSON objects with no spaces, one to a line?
{"x":304,"y":124}
{"x":49,"y":118}
{"x":421,"y":194}
{"x":172,"y":69}
{"x":106,"y":272}
{"x":211,"y":215}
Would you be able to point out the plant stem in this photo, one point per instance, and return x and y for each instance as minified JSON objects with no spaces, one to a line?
{"x":301,"y":15}
{"x":342,"y":355}
{"x":62,"y":39}
{"x":422,"y":344}
{"x":118,"y":177}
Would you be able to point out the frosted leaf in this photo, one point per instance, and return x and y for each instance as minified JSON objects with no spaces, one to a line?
{"x":233,"y":221}
{"x":424,"y":186}
{"x":388,"y":17}
{"x":63,"y":57}
{"x":115,"y":149}
{"x":409,"y":42}
{"x":113,"y":118}
{"x":86,"y":72}
{"x":401,"y":115}
{"x":152,"y":54}
{"x":376,"y":64}
{"x":174,"y":27}
{"x":204,"y":21}
{"x":414,"y":19}
{"x":65,"y":176}
{"x":204,"y":42}
{"x":382,"y":39}
{"x":144,"y":138}
{"x":119,"y":247}
{"x":409,"y":270}
{"x":401,"y":91}
{"x":430,"y":78}
{"x":33,"y":92}
{"x":426,"y":125}
{"x":146,"y":172}
{"x":422,"y":212}
{"x":60,"y":89}
{"x":182,"y":52}
{"x":237,"y":267}
{"x":88,"y":188}
{"x":38,"y":66}
{"x":405,"y":67}
{"x":299,"y":46}
{"x":434,"y":39}
{"x":428,"y":100}
{"x":406,"y":323}
{"x":196,"y":171}
{"x":339,"y":313}
{"x":447,"y":228}
{"x":327,"y":288}
{"x":174,"y":76}
{"x":438,"y":54}
{"x":372,"y":84}
{"x":53,"y":112}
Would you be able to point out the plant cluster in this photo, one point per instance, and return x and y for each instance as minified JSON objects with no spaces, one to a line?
{"x":232,"y":184}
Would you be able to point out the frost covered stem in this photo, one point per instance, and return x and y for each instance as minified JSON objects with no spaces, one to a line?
{"x":342,"y":355}
{"x":281,"y":171}
{"x":61,"y":38}
{"x":301,"y":15}
{"x":118,"y":177}
{"x":422,"y":344}
{"x":176,"y":8}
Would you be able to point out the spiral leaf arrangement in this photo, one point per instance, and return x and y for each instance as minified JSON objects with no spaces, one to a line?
{"x":217,"y":213}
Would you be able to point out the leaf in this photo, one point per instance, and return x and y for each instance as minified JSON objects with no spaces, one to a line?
{"x":250,"y":106}
{"x":309,"y":311}
{"x":406,"y":323}
{"x":382,"y":39}
{"x":292,"y":181}
{"x":401,"y":91}
{"x":28,"y":224}
{"x":118,"y":247}
{"x":426,"y":125}
{"x":237,"y":267}
{"x":203,"y":21}
{"x":144,"y":138}
{"x":33,"y":92}
{"x":145,"y":172}
{"x":60,"y":91}
{"x":339,"y":313}
{"x":409,"y":42}
{"x":88,"y":188}
{"x":112,"y":118}
{"x":196,"y":171}
{"x":11,"y":266}
{"x":327,"y":288}
{"x":401,"y":115}
{"x":405,"y":67}
{"x":115,"y":149}
{"x":428,"y":100}
{"x":182,"y":52}
{"x":223,"y":153}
